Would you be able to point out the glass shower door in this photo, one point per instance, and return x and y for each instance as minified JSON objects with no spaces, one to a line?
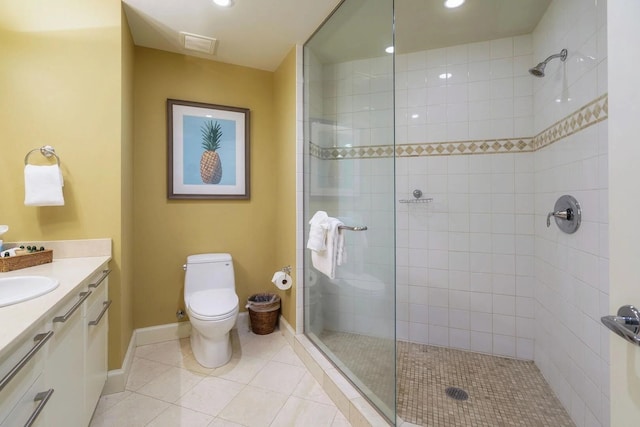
{"x":349,"y":174}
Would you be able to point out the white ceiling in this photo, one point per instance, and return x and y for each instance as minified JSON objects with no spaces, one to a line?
{"x":252,"y":33}
{"x":259,"y":33}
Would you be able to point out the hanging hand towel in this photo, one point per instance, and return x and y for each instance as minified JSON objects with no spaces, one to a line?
{"x":327,"y":260}
{"x":318,"y":232}
{"x":43,"y":186}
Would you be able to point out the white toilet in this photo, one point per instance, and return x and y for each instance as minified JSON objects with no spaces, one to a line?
{"x":212,"y":304}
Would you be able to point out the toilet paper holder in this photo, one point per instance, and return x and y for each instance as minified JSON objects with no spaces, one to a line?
{"x":282,"y":279}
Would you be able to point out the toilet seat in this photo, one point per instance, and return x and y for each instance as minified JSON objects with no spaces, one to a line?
{"x":213,"y":304}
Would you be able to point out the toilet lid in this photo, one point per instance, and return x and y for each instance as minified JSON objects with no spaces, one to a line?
{"x":213,"y":302}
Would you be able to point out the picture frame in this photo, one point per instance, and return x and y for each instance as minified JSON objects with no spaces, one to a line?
{"x":207,"y":151}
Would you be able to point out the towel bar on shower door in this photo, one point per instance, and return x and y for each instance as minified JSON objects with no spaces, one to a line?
{"x":350,"y":228}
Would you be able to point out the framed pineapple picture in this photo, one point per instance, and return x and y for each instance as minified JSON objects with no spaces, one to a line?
{"x":208,"y":151}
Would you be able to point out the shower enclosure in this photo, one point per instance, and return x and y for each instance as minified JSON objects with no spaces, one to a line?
{"x":349,"y":116}
{"x":453,"y":150}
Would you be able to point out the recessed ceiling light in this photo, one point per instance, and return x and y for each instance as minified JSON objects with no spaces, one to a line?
{"x":445,"y":76}
{"x":224,"y":3}
{"x":453,"y":3}
{"x":389,"y":49}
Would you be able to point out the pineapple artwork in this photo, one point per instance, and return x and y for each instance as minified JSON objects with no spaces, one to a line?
{"x":210,"y":162}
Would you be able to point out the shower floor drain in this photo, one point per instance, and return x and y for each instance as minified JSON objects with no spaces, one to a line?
{"x":456,"y":393}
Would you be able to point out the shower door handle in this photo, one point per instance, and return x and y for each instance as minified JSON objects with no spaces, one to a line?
{"x":626,"y":324}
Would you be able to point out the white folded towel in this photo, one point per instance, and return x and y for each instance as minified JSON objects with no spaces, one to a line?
{"x":318,"y":232}
{"x":43,"y":186}
{"x":326,"y":261}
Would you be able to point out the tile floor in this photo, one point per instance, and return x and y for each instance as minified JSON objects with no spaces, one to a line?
{"x":501,"y":391}
{"x":265,"y":384}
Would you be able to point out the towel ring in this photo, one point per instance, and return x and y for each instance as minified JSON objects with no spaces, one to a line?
{"x":46,"y":151}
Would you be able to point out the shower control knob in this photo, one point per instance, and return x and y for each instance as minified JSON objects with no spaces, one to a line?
{"x":567,"y":214}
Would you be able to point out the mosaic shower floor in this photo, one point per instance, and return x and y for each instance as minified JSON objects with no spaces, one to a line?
{"x":501,"y":391}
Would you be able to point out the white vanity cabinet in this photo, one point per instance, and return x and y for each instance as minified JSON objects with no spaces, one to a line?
{"x":53,"y":375}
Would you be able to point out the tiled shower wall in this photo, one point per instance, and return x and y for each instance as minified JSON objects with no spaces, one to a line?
{"x":572,"y":271}
{"x":465,"y":261}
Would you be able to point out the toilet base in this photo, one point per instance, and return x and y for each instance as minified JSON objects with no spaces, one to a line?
{"x":211,"y":352}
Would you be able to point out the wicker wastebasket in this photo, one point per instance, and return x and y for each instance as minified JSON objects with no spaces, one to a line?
{"x":263,"y":312}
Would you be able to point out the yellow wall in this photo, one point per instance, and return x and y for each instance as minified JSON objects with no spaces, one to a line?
{"x":70,"y":77}
{"x":166,"y":231}
{"x":60,"y":84}
{"x":285,"y":144}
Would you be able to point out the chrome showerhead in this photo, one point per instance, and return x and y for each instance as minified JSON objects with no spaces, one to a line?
{"x":538,"y":70}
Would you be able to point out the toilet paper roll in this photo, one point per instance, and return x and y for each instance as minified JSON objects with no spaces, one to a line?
{"x":282,"y":280}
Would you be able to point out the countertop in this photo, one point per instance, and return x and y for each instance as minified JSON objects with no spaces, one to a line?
{"x":18,"y":318}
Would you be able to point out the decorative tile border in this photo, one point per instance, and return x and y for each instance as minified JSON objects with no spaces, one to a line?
{"x":465,"y":147}
{"x":592,"y":113}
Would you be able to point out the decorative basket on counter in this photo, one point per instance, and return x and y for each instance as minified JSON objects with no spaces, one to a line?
{"x":17,"y":262}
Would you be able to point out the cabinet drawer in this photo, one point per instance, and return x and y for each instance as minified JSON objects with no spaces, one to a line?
{"x":20,"y":369}
{"x":31,"y":408}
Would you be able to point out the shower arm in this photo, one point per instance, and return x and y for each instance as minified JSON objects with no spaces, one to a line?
{"x":562,"y":55}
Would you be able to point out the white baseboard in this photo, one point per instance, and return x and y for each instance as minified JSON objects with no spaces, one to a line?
{"x":160,"y":333}
{"x":117,"y":378}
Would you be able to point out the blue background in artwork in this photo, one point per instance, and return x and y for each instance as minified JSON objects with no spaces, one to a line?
{"x":192,"y":146}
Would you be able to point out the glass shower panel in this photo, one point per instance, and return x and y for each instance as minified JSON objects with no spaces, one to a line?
{"x":349,"y":174}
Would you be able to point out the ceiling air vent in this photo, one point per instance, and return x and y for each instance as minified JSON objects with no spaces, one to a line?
{"x":198,"y":43}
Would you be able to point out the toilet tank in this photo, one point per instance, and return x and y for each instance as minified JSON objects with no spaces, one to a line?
{"x":208,"y":271}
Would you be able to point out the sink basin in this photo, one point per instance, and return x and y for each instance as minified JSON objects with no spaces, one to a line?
{"x":22,"y":288}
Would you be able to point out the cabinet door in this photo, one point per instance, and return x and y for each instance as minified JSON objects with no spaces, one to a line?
{"x":64,"y":368}
{"x":96,"y":324}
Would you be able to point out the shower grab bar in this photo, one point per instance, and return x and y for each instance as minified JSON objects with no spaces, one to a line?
{"x":352,"y":228}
